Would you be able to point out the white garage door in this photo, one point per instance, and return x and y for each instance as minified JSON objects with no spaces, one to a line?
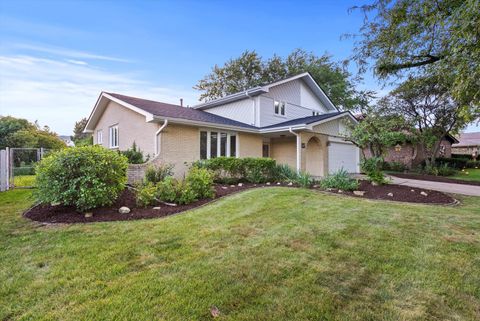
{"x":343,"y":155}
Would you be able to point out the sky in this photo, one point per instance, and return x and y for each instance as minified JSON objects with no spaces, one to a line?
{"x":57,"y":56}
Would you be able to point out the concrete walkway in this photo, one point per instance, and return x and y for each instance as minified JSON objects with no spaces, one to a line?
{"x":463,"y":189}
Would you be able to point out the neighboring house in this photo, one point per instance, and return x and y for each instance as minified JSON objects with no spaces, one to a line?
{"x":412,"y":155}
{"x":468,"y":144}
{"x":67,"y":140}
{"x":291,"y":121}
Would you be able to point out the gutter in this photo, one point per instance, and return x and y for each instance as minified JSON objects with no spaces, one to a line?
{"x":299,"y":147}
{"x":165,"y":123}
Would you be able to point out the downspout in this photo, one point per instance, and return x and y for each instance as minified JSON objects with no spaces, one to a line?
{"x":299,"y":148}
{"x":165,"y":123}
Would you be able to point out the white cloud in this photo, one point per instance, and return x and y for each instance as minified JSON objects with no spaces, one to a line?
{"x":58,"y":92}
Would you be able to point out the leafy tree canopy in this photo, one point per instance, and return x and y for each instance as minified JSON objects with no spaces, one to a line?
{"x":17,"y":132}
{"x":78,"y":129}
{"x":424,"y":37}
{"x":250,"y":70}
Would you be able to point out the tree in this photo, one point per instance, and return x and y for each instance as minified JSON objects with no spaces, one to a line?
{"x":424,"y":37}
{"x":10,"y":125}
{"x":427,"y":106}
{"x":78,"y":129}
{"x":250,"y":70}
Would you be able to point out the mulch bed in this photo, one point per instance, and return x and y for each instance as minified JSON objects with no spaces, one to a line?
{"x":434,"y":178}
{"x":65,"y":214}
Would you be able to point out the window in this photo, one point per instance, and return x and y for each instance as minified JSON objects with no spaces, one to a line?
{"x":315,"y":113}
{"x":113,"y":133}
{"x":279,"y":107}
{"x":100,"y":136}
{"x":214,"y":144}
{"x":266,"y":150}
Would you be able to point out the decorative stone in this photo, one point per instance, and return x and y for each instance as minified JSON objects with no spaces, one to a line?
{"x":88,"y":214}
{"x":279,"y":183}
{"x":315,"y":186}
{"x":240,"y":184}
{"x":156,"y":208}
{"x":232,"y":185}
{"x":329,"y":189}
{"x":268,"y":183}
{"x":423,"y":193}
{"x":390,"y":194}
{"x":224,"y":187}
{"x":290,"y":184}
{"x":375,"y":184}
{"x":412,"y":190}
{"x":340,"y":191}
{"x":123,"y":210}
{"x":359,"y":193}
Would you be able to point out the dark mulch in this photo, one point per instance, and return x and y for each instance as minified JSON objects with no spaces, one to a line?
{"x":66,"y":214}
{"x":434,"y":178}
{"x":400,"y":194}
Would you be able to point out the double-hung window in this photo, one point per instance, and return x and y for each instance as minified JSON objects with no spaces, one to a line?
{"x":100,"y":137}
{"x":214,"y":144}
{"x":113,"y":136}
{"x":279,"y":107}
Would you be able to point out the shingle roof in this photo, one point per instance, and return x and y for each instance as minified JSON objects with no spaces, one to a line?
{"x":305,"y":120}
{"x":468,"y":139}
{"x":174,"y":111}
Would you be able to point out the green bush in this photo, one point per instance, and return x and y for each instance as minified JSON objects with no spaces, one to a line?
{"x":304,"y":179}
{"x":458,"y":163}
{"x":146,"y":194}
{"x":372,"y":167}
{"x":83,"y":177}
{"x":394,"y":166}
{"x":473,"y":164}
{"x":134,"y":155}
{"x":21,"y":171}
{"x":284,"y":173}
{"x":201,"y":182}
{"x":445,"y":170}
{"x":185,"y":193}
{"x":167,"y":189}
{"x":339,"y":180}
{"x":158,"y":173}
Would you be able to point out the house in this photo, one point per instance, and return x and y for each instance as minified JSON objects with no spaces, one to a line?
{"x":292,"y":121}
{"x":412,"y":155}
{"x":67,"y":140}
{"x":468,"y":144}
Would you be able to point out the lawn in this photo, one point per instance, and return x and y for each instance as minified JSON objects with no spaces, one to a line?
{"x":469,"y":174}
{"x":265,"y":254}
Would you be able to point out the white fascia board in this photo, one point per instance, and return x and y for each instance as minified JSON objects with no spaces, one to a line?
{"x":283,"y":128}
{"x":273,"y":84}
{"x":205,"y":124}
{"x":92,"y":113}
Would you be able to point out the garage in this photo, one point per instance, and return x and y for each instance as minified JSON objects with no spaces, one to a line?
{"x":343,"y":155}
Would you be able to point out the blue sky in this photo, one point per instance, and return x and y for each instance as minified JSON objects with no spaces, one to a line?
{"x":57,"y":56}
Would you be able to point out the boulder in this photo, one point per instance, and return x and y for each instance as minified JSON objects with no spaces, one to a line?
{"x":240,"y":184}
{"x":423,"y":193}
{"x":123,"y":210}
{"x":224,"y":187}
{"x":88,"y":214}
{"x":390,"y":194}
{"x":290,"y":184}
{"x":359,"y":193}
{"x":157,"y":208}
{"x":268,"y":183}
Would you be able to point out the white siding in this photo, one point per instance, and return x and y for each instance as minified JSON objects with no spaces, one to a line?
{"x":241,"y":110}
{"x":268,"y":116}
{"x":289,"y":92}
{"x":310,"y":100}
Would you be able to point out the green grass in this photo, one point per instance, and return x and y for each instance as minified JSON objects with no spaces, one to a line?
{"x":265,"y":254}
{"x":469,"y":174}
{"x":24,"y":181}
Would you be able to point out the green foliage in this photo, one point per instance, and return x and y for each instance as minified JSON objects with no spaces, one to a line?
{"x":304,"y":179}
{"x":86,"y":141}
{"x":146,"y":194}
{"x":133,"y":154}
{"x":83,"y":177}
{"x":472,"y":164}
{"x":200,"y":180}
{"x":394,"y":166}
{"x":157,"y":173}
{"x":167,"y":189}
{"x":418,"y":37}
{"x":284,"y":173}
{"x":186,"y":193}
{"x":455,"y":163}
{"x":27,"y":170}
{"x":372,"y":167}
{"x":253,"y":170}
{"x":250,"y":70}
{"x":79,"y":137}
{"x":438,"y":170}
{"x":339,"y":180}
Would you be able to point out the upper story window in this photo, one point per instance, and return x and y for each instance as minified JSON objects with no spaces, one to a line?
{"x":214,"y":144}
{"x":113,"y":136}
{"x":100,"y":136}
{"x":279,"y":107}
{"x":315,"y":113}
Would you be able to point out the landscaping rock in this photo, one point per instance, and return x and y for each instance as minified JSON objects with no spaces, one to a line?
{"x":240,"y":184}
{"x":279,"y":183}
{"x":268,"y":183}
{"x":423,"y":193}
{"x":316,"y":186}
{"x":224,"y":187}
{"x":412,"y":190}
{"x":390,"y":194}
{"x":88,"y":214}
{"x":340,"y":191}
{"x":232,"y":185}
{"x":375,"y":184}
{"x":157,"y":208}
{"x":359,"y":193}
{"x":290,"y":184}
{"x":123,"y":210}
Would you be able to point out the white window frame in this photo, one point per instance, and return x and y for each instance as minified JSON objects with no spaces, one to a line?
{"x":282,"y":106}
{"x":113,"y":136}
{"x":315,"y":113}
{"x":219,"y":144}
{"x":100,"y":136}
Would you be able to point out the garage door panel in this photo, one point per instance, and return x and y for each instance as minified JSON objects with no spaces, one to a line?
{"x":344,"y":156}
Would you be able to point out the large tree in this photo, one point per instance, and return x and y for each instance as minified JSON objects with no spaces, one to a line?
{"x":426,"y":104}
{"x":250,"y":70}
{"x":424,"y":37}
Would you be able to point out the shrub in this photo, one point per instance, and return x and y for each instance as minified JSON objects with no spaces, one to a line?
{"x":458,"y":163}
{"x":284,"y":173}
{"x":445,"y":170}
{"x":304,"y":179}
{"x":372,"y":167}
{"x":146,"y":194}
{"x":134,"y":155}
{"x":200,"y":180}
{"x":473,"y":164}
{"x":394,"y":166}
{"x":167,"y":189}
{"x":185,"y":193}
{"x":84,"y":177}
{"x":155,"y":174}
{"x":339,"y":180}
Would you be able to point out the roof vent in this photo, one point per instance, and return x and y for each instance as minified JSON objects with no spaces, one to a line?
{"x":181,"y":102}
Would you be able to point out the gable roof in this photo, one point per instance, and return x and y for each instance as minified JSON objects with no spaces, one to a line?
{"x":262,"y":89}
{"x":468,"y":139}
{"x":304,"y":120}
{"x":153,"y":109}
